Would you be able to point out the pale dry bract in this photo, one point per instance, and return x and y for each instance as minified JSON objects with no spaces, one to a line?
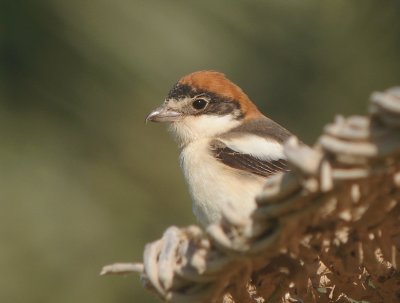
{"x":327,"y":231}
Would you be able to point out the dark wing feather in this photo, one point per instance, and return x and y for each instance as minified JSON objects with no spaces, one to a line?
{"x":246,"y":162}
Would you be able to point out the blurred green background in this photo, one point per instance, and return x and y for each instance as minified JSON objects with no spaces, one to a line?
{"x":84,"y":182}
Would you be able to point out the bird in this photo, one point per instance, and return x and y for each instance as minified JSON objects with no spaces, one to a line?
{"x":228,"y":148}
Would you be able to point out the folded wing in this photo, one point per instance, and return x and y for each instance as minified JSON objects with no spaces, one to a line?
{"x":250,"y":153}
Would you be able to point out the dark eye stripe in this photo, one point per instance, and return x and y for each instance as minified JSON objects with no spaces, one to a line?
{"x":223,"y":108}
{"x":218,"y":105}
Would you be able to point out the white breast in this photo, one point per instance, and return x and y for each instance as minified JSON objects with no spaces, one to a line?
{"x":215,"y":186}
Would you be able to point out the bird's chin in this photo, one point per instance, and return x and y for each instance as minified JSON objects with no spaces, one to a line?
{"x":189,"y":129}
{"x":180,"y":132}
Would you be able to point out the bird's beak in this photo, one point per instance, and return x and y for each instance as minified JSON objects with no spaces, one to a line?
{"x":163,"y":114}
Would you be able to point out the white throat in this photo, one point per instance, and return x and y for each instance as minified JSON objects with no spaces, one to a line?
{"x":193,"y":128}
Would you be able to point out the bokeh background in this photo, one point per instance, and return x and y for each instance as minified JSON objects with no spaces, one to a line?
{"x":84,"y":182}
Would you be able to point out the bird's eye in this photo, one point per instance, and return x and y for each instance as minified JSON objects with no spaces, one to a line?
{"x":199,"y":104}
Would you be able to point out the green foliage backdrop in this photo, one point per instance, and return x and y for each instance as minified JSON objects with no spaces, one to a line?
{"x":84,"y":182}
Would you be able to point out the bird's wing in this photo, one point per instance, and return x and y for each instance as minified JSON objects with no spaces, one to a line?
{"x":250,"y":153}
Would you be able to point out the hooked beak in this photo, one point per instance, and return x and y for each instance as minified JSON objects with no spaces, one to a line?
{"x":163,"y":114}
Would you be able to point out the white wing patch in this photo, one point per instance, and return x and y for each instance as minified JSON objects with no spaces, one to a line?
{"x":256,"y":146}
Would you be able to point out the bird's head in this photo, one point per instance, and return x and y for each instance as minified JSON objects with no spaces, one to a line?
{"x":204,"y":104}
